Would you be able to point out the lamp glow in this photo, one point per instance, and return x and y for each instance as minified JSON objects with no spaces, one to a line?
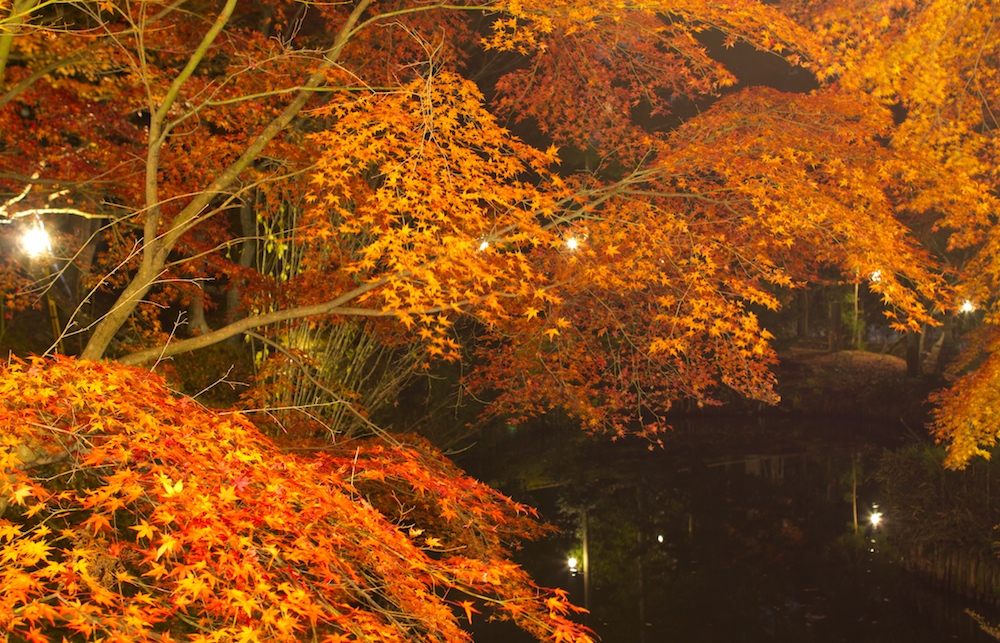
{"x":572,"y":562}
{"x":572,"y":243}
{"x":35,"y":241}
{"x":876,"y":518}
{"x":484,"y":245}
{"x":875,"y":277}
{"x":968,"y":307}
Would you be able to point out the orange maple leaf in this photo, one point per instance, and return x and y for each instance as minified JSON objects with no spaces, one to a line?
{"x":469,"y":610}
{"x":337,"y":638}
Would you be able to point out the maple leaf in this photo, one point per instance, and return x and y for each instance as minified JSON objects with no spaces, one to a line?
{"x":467,"y":606}
{"x":156,"y":570}
{"x":20,"y":494}
{"x":98,"y":522}
{"x":144,"y":530}
{"x":227,"y":494}
{"x":35,"y":635}
{"x":9,"y":531}
{"x":33,"y":551}
{"x":557,"y":605}
{"x":170,"y":487}
{"x":337,"y":638}
{"x":167,"y":544}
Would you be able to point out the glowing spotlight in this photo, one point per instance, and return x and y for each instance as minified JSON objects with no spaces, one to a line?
{"x":484,"y":245}
{"x":968,"y":307}
{"x":35,"y":241}
{"x":572,"y":243}
{"x":573,"y":564}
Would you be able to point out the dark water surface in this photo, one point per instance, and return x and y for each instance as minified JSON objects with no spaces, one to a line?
{"x":736,"y":531}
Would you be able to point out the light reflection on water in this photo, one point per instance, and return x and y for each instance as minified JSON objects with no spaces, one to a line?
{"x":735,"y":532}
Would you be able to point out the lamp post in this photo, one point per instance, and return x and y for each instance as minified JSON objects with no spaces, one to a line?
{"x":876,"y":519}
{"x":581,"y":566}
{"x":36,"y":244}
{"x":586,"y":565}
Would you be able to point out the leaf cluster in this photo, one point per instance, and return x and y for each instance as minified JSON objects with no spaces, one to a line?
{"x":130,"y":514}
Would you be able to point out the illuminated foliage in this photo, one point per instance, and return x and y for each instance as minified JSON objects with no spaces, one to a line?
{"x":129,"y":514}
{"x":349,"y":147}
{"x":287,"y":168}
{"x":936,"y":63}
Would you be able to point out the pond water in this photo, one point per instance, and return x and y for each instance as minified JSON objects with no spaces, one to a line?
{"x":735,"y":531}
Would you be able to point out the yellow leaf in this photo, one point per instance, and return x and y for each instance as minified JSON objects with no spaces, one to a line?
{"x":9,"y":531}
{"x":227,"y":494}
{"x":171,"y":488}
{"x":169,"y":543}
{"x":21,"y":494}
{"x":144,"y":530}
{"x":156,"y":570}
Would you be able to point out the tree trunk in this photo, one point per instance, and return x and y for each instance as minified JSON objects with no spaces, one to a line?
{"x":912,"y":354}
{"x":196,"y":314}
{"x":802,"y":323}
{"x":248,"y":250}
{"x":834,"y":333}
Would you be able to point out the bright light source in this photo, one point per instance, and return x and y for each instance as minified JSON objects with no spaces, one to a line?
{"x":968,"y":307}
{"x":36,"y":241}
{"x":572,"y":243}
{"x":659,"y":538}
{"x":572,"y":562}
{"x":484,"y":245}
{"x":875,"y":277}
{"x":876,"y":518}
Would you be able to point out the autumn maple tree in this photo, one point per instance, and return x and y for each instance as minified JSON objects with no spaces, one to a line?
{"x":129,"y":514}
{"x":340,"y":184}
{"x":338,"y":164}
{"x":942,"y":69}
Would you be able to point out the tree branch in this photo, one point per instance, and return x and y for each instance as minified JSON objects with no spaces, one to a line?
{"x":11,"y":24}
{"x":159,"y":250}
{"x":335,"y":306}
